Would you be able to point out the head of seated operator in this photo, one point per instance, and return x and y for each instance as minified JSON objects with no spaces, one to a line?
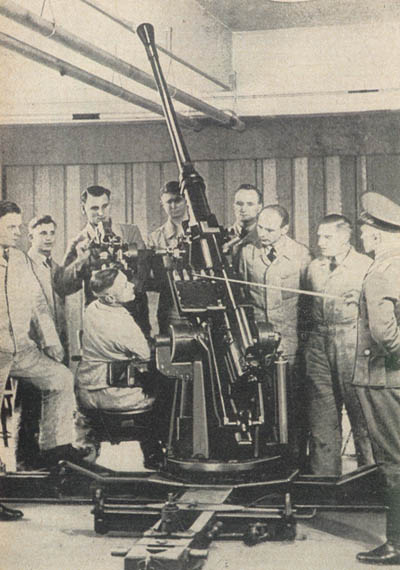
{"x":110,"y":335}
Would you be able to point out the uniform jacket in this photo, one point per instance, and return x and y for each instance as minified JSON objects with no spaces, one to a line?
{"x":378,"y":342}
{"x":22,"y":303}
{"x":50,"y":279}
{"x":109,"y":333}
{"x":73,"y":274}
{"x":281,"y":308}
{"x":348,"y":275}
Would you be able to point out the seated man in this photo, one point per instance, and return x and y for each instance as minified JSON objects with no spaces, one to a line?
{"x":109,"y":335}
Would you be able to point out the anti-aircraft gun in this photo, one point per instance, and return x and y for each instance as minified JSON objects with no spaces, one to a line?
{"x":229,"y":415}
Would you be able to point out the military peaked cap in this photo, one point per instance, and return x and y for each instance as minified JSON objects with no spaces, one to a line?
{"x":380,"y":212}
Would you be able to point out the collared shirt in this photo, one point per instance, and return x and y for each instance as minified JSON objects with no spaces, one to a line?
{"x":109,"y":333}
{"x":348,"y":276}
{"x":279,"y":307}
{"x":22,"y":303}
{"x":166,"y":236}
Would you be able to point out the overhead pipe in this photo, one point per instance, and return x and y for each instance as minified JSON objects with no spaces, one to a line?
{"x":65,"y":68}
{"x":50,"y":30}
{"x":130,"y":26}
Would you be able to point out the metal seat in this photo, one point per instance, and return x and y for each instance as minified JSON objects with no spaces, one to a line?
{"x":116,"y":425}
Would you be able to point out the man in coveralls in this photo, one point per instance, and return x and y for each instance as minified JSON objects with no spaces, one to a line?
{"x":377,"y":370}
{"x":331,"y":347}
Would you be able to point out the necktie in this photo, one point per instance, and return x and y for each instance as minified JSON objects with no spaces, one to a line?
{"x":332,"y":263}
{"x":48,"y":262}
{"x":271,"y":254}
{"x":5,"y":253}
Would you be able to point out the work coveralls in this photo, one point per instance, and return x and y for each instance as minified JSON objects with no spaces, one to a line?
{"x":330,"y":357}
{"x":377,"y":373}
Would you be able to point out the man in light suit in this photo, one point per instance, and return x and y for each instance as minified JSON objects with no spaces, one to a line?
{"x":276,"y":259}
{"x":23,"y":305}
{"x":42,"y":234}
{"x":96,"y":204}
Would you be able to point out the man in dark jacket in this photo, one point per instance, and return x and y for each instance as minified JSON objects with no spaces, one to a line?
{"x":377,"y":370}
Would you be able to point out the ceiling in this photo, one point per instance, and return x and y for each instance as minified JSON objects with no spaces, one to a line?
{"x":250,"y":15}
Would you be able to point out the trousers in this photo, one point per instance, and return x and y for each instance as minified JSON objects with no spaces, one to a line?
{"x":55,"y":381}
{"x":330,"y":356}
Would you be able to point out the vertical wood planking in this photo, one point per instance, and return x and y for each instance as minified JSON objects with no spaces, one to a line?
{"x":20,"y":189}
{"x":49,"y":199}
{"x":112,"y":176}
{"x":284,"y":187}
{"x":169,"y":171}
{"x":348,"y":180}
{"x":383,"y":175}
{"x":333,"y":190}
{"x":270,"y":195}
{"x":237,"y":172}
{"x":316,"y":198}
{"x":213,"y":174}
{"x":300,"y":200}
{"x":146,"y":181}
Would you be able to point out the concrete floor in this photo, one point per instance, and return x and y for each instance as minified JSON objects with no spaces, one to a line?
{"x":60,"y":537}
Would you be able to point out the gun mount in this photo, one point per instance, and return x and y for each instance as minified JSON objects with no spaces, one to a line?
{"x":229,"y":415}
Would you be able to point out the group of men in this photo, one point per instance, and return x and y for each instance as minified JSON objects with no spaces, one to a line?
{"x":338,"y":315}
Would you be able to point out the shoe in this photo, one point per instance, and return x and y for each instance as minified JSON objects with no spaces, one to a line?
{"x":8,"y":514}
{"x":386,"y":554}
{"x":52,"y":456}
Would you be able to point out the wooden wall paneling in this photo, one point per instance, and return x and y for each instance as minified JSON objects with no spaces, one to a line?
{"x":77,"y":178}
{"x":146,"y":182}
{"x":284,"y":187}
{"x":237,"y":172}
{"x":316,"y":198}
{"x":270,"y":195}
{"x":20,"y":189}
{"x":300,"y":200}
{"x":348,"y":177}
{"x":213,"y":174}
{"x":49,"y":199}
{"x":333,"y":191}
{"x":112,"y":176}
{"x":274,"y":137}
{"x":383,"y":175}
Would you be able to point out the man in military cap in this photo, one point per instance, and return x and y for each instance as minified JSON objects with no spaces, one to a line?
{"x":377,"y":370}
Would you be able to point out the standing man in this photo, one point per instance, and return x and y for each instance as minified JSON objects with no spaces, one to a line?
{"x":23,"y":304}
{"x":331,"y":347}
{"x":276,"y":259}
{"x":167,"y":237}
{"x":42,"y":235}
{"x":377,"y":370}
{"x":95,"y":203}
{"x":246,"y":206}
